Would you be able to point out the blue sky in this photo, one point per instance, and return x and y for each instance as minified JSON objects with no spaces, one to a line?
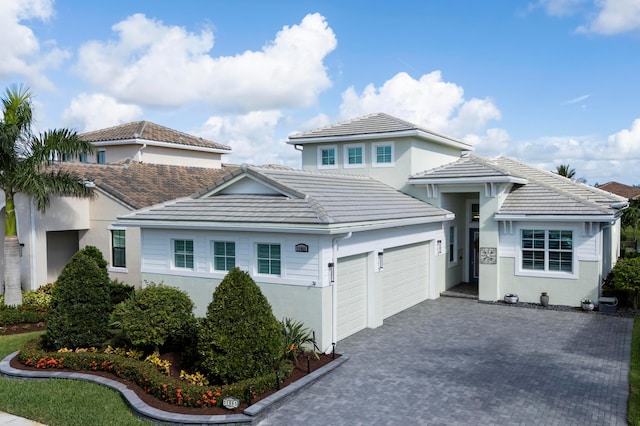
{"x":547,"y":82}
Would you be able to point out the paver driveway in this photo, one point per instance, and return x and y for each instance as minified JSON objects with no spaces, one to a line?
{"x":460,"y":362}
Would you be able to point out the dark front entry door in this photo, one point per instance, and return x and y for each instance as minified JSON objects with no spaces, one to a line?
{"x":474,"y":258}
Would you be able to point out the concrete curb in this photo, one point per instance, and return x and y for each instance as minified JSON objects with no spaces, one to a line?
{"x":145,"y":411}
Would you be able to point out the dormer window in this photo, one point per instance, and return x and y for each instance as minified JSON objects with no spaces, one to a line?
{"x":354,"y":156}
{"x":327,"y":157}
{"x":383,"y":154}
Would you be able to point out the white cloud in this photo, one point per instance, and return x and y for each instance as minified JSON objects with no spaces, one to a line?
{"x":626,"y":143}
{"x":20,"y":50}
{"x":558,"y":7}
{"x":430,"y":102}
{"x":577,"y":100}
{"x":252,"y":137}
{"x":88,"y":112}
{"x":614,"y":17}
{"x":154,"y":64}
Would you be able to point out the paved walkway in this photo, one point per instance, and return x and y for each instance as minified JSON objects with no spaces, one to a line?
{"x":7,"y":419}
{"x":459,"y":362}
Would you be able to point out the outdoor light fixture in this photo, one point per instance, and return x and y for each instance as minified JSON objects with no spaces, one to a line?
{"x":380,"y":261}
{"x":331,"y":272}
{"x":21,"y":247}
{"x":439,"y":247}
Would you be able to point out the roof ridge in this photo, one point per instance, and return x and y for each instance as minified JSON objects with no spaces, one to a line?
{"x":320,"y":211}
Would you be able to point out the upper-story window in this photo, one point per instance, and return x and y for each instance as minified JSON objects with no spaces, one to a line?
{"x":102,"y":157}
{"x":383,"y":154}
{"x":354,"y":156}
{"x":83,"y":158}
{"x":327,"y":157}
{"x":183,"y":254}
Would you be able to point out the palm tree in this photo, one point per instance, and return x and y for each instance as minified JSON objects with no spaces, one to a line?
{"x":566,"y":171}
{"x":25,"y":158}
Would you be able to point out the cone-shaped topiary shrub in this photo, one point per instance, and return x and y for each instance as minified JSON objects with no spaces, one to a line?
{"x":155,"y":317}
{"x":240,"y":337}
{"x":80,"y":305}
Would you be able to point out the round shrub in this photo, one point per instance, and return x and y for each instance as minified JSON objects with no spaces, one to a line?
{"x":120,"y":291}
{"x":240,"y":338}
{"x":156,"y":316}
{"x":80,"y":305}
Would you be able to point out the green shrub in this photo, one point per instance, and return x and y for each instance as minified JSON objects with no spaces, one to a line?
{"x":80,"y":305}
{"x":10,"y":315}
{"x":147,"y":376}
{"x":626,"y":276}
{"x":156,"y":316}
{"x":120,"y":291}
{"x":36,"y":300}
{"x":96,"y":255}
{"x":239,"y":338}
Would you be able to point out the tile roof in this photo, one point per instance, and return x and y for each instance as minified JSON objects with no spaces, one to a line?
{"x":366,"y":125}
{"x":626,"y":191}
{"x":544,"y":193}
{"x":141,"y":184}
{"x":313,"y":199}
{"x":149,"y":131}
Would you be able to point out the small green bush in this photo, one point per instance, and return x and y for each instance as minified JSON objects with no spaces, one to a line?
{"x":626,"y":276}
{"x":36,"y":300}
{"x":80,"y":305}
{"x":120,"y":291}
{"x":95,"y":253}
{"x":239,"y":338}
{"x":156,"y":316}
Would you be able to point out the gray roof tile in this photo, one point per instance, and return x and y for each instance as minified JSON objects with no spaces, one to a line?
{"x":149,"y":131}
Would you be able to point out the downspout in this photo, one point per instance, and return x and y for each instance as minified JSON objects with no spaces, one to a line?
{"x":32,"y":249}
{"x":298,"y":147}
{"x":139,"y":153}
{"x":334,"y":288}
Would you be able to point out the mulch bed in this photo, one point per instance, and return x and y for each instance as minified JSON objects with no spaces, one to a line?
{"x":7,"y":330}
{"x":299,"y":372}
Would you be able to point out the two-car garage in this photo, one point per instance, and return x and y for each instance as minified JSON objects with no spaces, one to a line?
{"x":402,"y":283}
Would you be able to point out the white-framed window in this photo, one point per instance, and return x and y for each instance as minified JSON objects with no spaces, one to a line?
{"x":224,"y":255}
{"x":354,"y":156}
{"x":383,"y":154}
{"x":453,"y":245}
{"x":118,"y":248}
{"x":269,"y":260}
{"x":547,"y":251}
{"x":327,"y":158}
{"x":183,"y":254}
{"x":101,"y":158}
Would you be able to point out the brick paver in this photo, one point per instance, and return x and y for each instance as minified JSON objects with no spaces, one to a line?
{"x":459,"y":362}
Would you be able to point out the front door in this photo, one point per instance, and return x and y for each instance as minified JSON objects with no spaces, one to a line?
{"x":474,"y":258}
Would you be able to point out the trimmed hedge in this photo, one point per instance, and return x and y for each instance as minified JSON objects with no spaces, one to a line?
{"x":10,"y":315}
{"x":147,"y":376}
{"x":240,"y":337}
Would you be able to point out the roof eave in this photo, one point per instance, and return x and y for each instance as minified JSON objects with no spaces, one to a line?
{"x":443,"y":140}
{"x":148,"y":142}
{"x":326,"y":229}
{"x":554,"y":218}
{"x":467,"y":180}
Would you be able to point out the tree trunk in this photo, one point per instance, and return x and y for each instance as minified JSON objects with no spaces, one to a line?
{"x":12,"y":288}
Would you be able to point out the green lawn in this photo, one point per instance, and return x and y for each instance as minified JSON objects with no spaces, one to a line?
{"x":634,"y":376}
{"x":60,"y":402}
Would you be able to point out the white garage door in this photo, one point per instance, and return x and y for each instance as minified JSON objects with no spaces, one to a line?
{"x":406,"y":277}
{"x":352,"y":295}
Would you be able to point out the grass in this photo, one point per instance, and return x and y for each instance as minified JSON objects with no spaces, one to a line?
{"x":60,"y":402}
{"x":634,"y":376}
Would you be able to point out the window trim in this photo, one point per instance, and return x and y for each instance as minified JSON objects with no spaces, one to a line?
{"x":257,"y":259}
{"x":335,"y":156}
{"x":173,"y":253}
{"x":346,"y":149}
{"x":452,"y":245}
{"x":213,"y":254}
{"x":546,"y":273}
{"x":374,"y":154}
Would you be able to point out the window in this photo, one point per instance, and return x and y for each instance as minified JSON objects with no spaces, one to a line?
{"x":183,"y":254}
{"x":354,"y":156}
{"x":118,"y":249}
{"x":453,"y":246}
{"x":547,"y":250}
{"x":66,"y":157}
{"x":269,"y":259}
{"x":327,"y":157}
{"x":383,"y":154}
{"x":224,"y":255}
{"x":102,"y":157}
{"x":83,"y":158}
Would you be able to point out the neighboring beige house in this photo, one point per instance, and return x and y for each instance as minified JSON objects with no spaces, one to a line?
{"x":137,"y":165}
{"x":384,"y":215}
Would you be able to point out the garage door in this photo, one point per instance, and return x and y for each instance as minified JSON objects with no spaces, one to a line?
{"x":406,"y":277}
{"x":352,"y":295}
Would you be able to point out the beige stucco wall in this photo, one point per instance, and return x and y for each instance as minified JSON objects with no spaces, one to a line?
{"x":306,"y":304}
{"x":180,"y":157}
{"x":561,"y":291}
